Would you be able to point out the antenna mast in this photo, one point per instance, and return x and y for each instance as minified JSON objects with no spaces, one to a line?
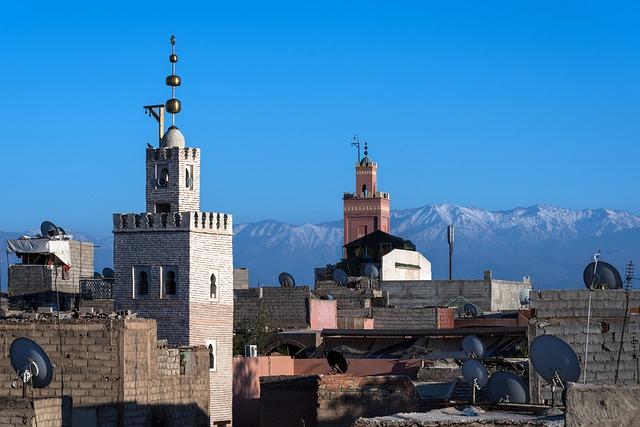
{"x":356,"y":143}
{"x":450,"y":238}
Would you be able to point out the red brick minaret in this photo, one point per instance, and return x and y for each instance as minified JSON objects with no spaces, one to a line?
{"x":366,"y":210}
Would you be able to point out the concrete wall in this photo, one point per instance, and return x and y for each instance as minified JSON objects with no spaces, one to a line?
{"x":602,"y":406}
{"x":488,"y":294}
{"x":115,"y":370}
{"x":563,"y":313}
{"x":402,"y":318}
{"x":401,"y":264}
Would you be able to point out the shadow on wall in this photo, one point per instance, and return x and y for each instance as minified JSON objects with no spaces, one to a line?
{"x":134,"y":414}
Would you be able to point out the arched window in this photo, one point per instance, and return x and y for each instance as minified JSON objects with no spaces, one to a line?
{"x":213,"y":286}
{"x":141,"y":278}
{"x":188,"y":179}
{"x":171,"y":286}
{"x":365,"y":192}
{"x":163,"y":178}
{"x":212,"y":347}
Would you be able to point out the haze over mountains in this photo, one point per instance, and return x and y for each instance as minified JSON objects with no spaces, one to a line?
{"x":549,"y":243}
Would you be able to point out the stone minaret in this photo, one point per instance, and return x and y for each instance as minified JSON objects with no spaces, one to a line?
{"x":174,"y":262}
{"x":367,"y":209}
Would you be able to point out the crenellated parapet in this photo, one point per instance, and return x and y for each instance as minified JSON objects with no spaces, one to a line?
{"x":207,"y":222}
{"x":172,"y":153}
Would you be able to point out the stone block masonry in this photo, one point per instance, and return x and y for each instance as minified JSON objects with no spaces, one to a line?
{"x":46,"y":412}
{"x":116,"y":371}
{"x":563,"y":313}
{"x":285,"y":308}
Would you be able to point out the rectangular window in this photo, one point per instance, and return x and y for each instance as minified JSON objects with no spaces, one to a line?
{"x":169,"y":281}
{"x":212,"y":347}
{"x":141,"y":280}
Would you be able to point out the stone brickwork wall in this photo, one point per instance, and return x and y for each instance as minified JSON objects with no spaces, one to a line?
{"x":333,"y":400}
{"x":20,"y":412}
{"x":347,"y":298}
{"x":175,"y":193}
{"x":400,"y":318}
{"x":488,"y":294}
{"x":115,"y":370}
{"x":281,"y":307}
{"x":240,"y":278}
{"x":563,"y":313}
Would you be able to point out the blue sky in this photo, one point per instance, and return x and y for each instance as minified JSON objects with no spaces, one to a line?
{"x":491,"y":104}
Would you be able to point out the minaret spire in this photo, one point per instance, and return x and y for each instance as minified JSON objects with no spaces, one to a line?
{"x":173,"y":105}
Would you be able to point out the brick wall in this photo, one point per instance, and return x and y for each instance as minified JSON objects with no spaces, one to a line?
{"x":347,"y":298}
{"x":281,"y":307}
{"x":115,"y":370}
{"x":563,"y":313}
{"x":176,"y":194}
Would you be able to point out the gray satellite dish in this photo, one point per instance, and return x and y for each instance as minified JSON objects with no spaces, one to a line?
{"x":340,"y":277}
{"x":601,"y":275}
{"x":505,"y":387}
{"x":371,"y":271}
{"x":474,"y":372}
{"x":473,"y":346}
{"x":286,"y":280}
{"x":49,"y":229}
{"x":108,"y":273}
{"x":524,"y":296}
{"x":31,"y":363}
{"x":554,"y":359}
{"x":470,"y":310}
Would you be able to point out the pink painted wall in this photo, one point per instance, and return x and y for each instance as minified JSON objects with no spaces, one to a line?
{"x":246,"y":384}
{"x":323,"y":314}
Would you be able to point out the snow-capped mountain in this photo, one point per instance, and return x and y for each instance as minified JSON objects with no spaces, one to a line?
{"x":549,"y":243}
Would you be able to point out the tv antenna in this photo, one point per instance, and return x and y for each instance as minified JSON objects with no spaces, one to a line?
{"x":555,"y":361}
{"x":628,"y":285}
{"x":31,"y":363}
{"x":356,"y":143}
{"x":450,"y":238}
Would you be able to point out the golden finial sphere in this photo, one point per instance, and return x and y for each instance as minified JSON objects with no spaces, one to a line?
{"x":173,"y":58}
{"x":173,"y":80}
{"x":173,"y":106}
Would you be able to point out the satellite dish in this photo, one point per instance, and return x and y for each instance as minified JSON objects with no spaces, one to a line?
{"x":505,"y":387}
{"x":62,"y":231}
{"x":49,"y":229}
{"x":601,"y":275}
{"x":554,"y":359}
{"x":97,"y":275}
{"x":474,"y":372}
{"x":524,"y":296}
{"x":371,"y":271}
{"x":31,"y":363}
{"x":473,"y":346}
{"x":340,"y":277}
{"x":108,"y":273}
{"x":470,"y":310}
{"x":337,"y":362}
{"x":286,"y":280}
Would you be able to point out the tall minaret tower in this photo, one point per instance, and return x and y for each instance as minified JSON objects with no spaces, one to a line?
{"x":174,"y":262}
{"x":367,"y":209}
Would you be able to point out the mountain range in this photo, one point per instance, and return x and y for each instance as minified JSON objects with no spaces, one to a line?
{"x":548,"y":243}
